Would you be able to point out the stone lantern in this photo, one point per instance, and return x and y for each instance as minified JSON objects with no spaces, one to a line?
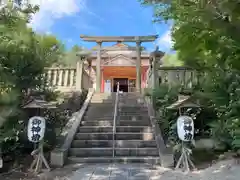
{"x":83,"y":54}
{"x":155,"y":62}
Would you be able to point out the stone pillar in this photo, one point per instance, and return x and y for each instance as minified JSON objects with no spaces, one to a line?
{"x":102,"y":81}
{"x":138,"y":67}
{"x":154,"y":72}
{"x":79,"y":79}
{"x":98,"y":68}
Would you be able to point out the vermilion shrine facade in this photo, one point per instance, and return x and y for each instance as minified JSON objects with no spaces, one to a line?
{"x":121,"y":63}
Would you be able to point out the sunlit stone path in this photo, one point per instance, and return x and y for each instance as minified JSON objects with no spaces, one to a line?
{"x":117,"y":172}
{"x":226,"y":170}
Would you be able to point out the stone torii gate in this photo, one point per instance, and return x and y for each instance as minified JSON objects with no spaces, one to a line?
{"x":137,"y":39}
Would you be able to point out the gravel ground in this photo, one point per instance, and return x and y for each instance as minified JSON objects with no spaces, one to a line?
{"x":224,"y":170}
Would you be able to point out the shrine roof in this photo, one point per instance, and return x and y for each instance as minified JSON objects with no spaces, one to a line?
{"x":118,"y":46}
{"x":105,"y":53}
{"x":149,"y":38}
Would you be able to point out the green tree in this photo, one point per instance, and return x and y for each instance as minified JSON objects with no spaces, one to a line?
{"x":51,"y":49}
{"x":204,"y":32}
{"x":23,"y":56}
{"x":23,"y":53}
{"x":171,"y":60}
{"x":70,"y":58}
{"x":206,"y":35}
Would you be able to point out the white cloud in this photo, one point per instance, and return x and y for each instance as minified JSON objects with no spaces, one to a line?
{"x":69,"y":40}
{"x":165,"y":41}
{"x":51,"y":10}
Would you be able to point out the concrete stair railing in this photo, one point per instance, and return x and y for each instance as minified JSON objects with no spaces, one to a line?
{"x":59,"y":155}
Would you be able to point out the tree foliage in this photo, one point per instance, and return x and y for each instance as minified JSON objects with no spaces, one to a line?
{"x":206,"y":36}
{"x":204,"y":32}
{"x":171,"y":60}
{"x":70,"y":57}
{"x":23,"y":56}
{"x":23,"y":53}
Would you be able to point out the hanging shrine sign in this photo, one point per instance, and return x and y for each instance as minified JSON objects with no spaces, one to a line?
{"x":185,"y":124}
{"x":36,"y":129}
{"x":185,"y":128}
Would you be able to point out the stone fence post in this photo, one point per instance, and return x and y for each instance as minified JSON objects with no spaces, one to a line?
{"x":79,"y":79}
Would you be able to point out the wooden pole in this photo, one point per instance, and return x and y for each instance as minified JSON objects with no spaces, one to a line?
{"x":39,"y":160}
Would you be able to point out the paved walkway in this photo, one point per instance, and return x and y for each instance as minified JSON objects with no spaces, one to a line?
{"x":226,"y":170}
{"x":117,"y":172}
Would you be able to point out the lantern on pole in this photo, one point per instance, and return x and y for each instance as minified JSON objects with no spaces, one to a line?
{"x":185,"y":129}
{"x":36,"y":131}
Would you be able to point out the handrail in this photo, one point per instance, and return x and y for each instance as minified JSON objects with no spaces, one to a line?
{"x":114,"y":118}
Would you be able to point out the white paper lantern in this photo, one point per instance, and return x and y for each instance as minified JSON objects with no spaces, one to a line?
{"x":36,"y":129}
{"x":185,"y":128}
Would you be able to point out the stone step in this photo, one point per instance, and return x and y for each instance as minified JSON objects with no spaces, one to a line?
{"x":127,"y":108}
{"x":131,"y":104}
{"x":110,"y":112}
{"x":99,"y":116}
{"x":133,"y":109}
{"x":139,"y":105}
{"x":102,"y":102}
{"x":133,"y":117}
{"x":100,"y":109}
{"x":132,"y":114}
{"x":104,"y":97}
{"x":95,"y":129}
{"x":132,"y":100}
{"x":109,"y":144}
{"x":132,"y":96}
{"x":118,"y":136}
{"x":112,"y":94}
{"x":118,"y":123}
{"x":139,"y":159}
{"x":105,"y":109}
{"x":99,"y":113}
{"x":100,"y":106}
{"x":96,"y":152}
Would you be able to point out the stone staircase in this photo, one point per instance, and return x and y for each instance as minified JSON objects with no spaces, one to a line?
{"x":134,"y":140}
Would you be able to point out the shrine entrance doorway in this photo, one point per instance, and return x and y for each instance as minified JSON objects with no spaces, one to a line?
{"x":123,"y":84}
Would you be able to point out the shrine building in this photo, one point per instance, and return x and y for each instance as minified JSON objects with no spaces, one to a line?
{"x":120,"y":62}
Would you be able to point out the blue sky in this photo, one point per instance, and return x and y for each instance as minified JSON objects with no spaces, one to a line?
{"x":67,"y":19}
